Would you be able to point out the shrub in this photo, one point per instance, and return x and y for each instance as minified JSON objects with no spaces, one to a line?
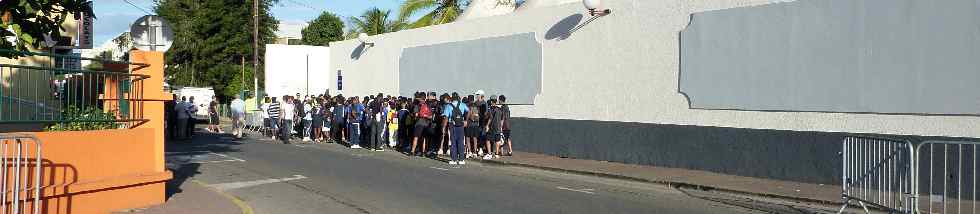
{"x":82,"y":119}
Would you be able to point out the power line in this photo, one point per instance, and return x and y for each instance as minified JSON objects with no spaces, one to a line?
{"x":302,"y":4}
{"x":138,"y":7}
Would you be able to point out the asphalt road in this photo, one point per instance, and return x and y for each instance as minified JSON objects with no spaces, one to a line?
{"x":330,"y":178}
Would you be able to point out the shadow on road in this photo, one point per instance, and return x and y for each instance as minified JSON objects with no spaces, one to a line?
{"x":201,"y":141}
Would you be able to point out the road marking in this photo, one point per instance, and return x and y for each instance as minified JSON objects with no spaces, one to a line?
{"x":587,"y":191}
{"x":243,"y":184}
{"x":229,"y":157}
{"x":246,"y":209}
{"x":195,"y":156}
{"x":443,"y":169}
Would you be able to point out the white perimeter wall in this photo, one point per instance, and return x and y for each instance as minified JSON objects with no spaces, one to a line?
{"x":622,"y":67}
{"x":291,"y":69}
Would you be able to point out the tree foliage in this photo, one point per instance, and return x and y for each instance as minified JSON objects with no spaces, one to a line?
{"x":211,"y":37}
{"x":436,"y":11}
{"x":324,"y":29}
{"x":376,"y":21}
{"x":26,"y":22}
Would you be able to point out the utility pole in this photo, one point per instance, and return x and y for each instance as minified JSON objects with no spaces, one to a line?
{"x":255,"y":46}
{"x":243,"y":79}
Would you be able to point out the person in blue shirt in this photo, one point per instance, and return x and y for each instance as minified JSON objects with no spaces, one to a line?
{"x":357,"y":116}
{"x":455,"y":117}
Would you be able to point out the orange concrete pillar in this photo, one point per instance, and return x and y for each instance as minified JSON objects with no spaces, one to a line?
{"x":153,"y":97}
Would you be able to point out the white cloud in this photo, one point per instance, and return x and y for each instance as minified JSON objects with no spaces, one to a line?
{"x":291,"y":28}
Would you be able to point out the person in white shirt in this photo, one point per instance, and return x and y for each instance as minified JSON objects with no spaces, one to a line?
{"x":288,"y":111}
{"x":237,"y":114}
{"x":307,"y":119}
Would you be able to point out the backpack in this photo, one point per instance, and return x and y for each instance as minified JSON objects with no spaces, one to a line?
{"x":457,"y":117}
{"x":424,"y":111}
{"x":355,"y":114}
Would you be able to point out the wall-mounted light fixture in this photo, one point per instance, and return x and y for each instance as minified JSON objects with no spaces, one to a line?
{"x":594,"y":8}
{"x":365,"y":39}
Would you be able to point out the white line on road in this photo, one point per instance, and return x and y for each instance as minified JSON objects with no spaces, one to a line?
{"x":587,"y":191}
{"x":243,"y":184}
{"x":200,"y":154}
{"x":229,"y":157}
{"x":443,"y":169}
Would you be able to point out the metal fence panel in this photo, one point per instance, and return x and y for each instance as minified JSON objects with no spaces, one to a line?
{"x":878,"y":172}
{"x":17,"y":181}
{"x":71,"y":98}
{"x":947,"y":177}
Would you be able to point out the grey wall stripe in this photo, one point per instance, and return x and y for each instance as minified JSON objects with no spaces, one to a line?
{"x":871,"y":56}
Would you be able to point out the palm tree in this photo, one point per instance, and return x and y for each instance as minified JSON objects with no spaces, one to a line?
{"x":439,"y":11}
{"x":374,"y":21}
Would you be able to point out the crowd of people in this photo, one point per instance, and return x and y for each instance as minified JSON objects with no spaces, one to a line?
{"x":180,"y":119}
{"x":424,"y":125}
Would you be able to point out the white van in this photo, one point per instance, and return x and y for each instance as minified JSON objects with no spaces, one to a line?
{"x":202,"y":97}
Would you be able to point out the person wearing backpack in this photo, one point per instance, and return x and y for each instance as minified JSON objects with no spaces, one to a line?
{"x":432,"y":132}
{"x":405,"y":125}
{"x":423,"y":118}
{"x":472,"y":129}
{"x":454,"y":117}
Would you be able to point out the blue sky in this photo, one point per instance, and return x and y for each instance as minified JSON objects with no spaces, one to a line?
{"x":114,"y":16}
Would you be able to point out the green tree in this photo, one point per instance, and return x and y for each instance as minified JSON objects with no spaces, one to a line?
{"x":211,"y":38}
{"x":95,"y":64}
{"x":376,"y":21}
{"x":28,"y":21}
{"x":324,"y":29}
{"x":436,"y":11}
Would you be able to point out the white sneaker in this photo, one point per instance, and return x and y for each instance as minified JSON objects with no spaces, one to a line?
{"x":496,"y":156}
{"x":462,"y":162}
{"x":480,"y":152}
{"x":452,"y":162}
{"x":355,"y":146}
{"x":440,"y":152}
{"x":487,"y":157}
{"x":306,"y":139}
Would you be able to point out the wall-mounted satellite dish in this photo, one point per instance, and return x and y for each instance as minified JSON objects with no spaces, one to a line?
{"x":151,"y":33}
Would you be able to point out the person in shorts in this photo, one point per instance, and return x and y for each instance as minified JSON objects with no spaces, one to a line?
{"x":494,"y":129}
{"x":317,"y":120}
{"x":213,"y":121}
{"x":472,"y":129}
{"x":482,"y":109}
{"x":422,"y":123}
{"x":505,"y":109}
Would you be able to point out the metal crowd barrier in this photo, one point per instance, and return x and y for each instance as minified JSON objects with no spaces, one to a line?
{"x":253,"y":122}
{"x":948,"y":177}
{"x":16,"y":176}
{"x":878,"y":172}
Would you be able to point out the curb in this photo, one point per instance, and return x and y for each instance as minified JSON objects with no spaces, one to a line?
{"x":662,"y":182}
{"x":238,"y":202}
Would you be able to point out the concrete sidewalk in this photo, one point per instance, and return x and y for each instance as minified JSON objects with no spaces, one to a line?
{"x":195,"y":197}
{"x":807,"y":192}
